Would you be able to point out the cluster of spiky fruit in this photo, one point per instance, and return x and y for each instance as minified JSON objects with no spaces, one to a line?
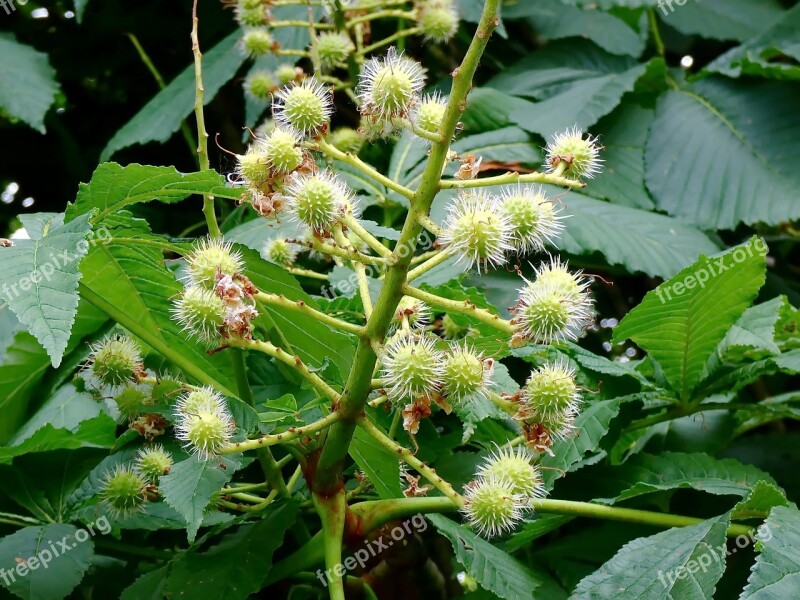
{"x":203,"y":422}
{"x":415,"y":368}
{"x":126,"y":489}
{"x":217,"y":301}
{"x":504,"y":488}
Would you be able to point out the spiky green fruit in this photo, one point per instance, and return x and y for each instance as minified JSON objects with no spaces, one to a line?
{"x":517,"y":468}
{"x":201,"y":313}
{"x":465,"y":373}
{"x":115,"y":360}
{"x":491,"y":506}
{"x":153,"y":462}
{"x":124,"y":491}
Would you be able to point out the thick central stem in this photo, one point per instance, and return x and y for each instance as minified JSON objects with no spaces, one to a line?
{"x":328,"y":474}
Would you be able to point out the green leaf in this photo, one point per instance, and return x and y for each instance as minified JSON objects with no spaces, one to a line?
{"x":554,"y":21}
{"x":299,"y":334}
{"x":755,"y":328}
{"x":776,"y":574}
{"x":152,"y":585}
{"x":99,"y":432}
{"x":761,"y":499}
{"x":27,"y":82}
{"x":647,"y":473}
{"x":665,"y":565}
{"x":381,"y":466}
{"x":637,"y":239}
{"x":162,"y":116}
{"x":65,"y":409}
{"x":63,"y":570}
{"x":495,"y":570}
{"x":764,"y":54}
{"x":721,"y":153}
{"x":583,"y":102}
{"x":234,"y":568}
{"x":680,"y":324}
{"x":190,"y":485}
{"x":40,"y":281}
{"x":113,"y":187}
{"x":132,"y":285}
{"x":80,"y":8}
{"x":624,"y":135}
{"x":593,"y":423}
{"x":722,"y":19}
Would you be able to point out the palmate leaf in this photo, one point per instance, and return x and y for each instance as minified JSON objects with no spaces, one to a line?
{"x":27,"y":82}
{"x":39,"y":278}
{"x":132,"y":285}
{"x":722,"y":152}
{"x":776,"y":574}
{"x":234,"y":568}
{"x":664,"y":565}
{"x":638,"y":239}
{"x":63,"y":572}
{"x":381,"y":466}
{"x":162,"y":116}
{"x":647,"y":473}
{"x":681,"y":322}
{"x":98,"y":432}
{"x":495,"y":570}
{"x":113,"y":187}
{"x":190,"y":485}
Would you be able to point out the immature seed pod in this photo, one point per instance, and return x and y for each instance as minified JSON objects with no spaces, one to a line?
{"x":280,"y":252}
{"x":546,"y":313}
{"x":452,"y":330}
{"x":201,"y":313}
{"x":491,"y":506}
{"x":130,"y":402}
{"x":580,"y":156}
{"x":286,"y":74}
{"x":252,"y":168}
{"x":477,"y":230}
{"x":257,"y":42}
{"x":533,"y":218}
{"x":551,"y":399}
{"x":124,"y":491}
{"x":279,"y":150}
{"x":318,"y":199}
{"x":412,"y":367}
{"x":115,"y":360}
{"x":438,"y":20}
{"x":466,"y":373}
{"x":429,"y":113}
{"x":202,"y":399}
{"x":204,"y":432}
{"x":517,"y":468}
{"x":346,"y":139}
{"x":210,"y":260}
{"x":260,"y":85}
{"x":251,"y":16}
{"x":305,"y":106}
{"x":332,"y":49}
{"x":388,"y":86}
{"x":556,"y":275}
{"x":415,"y":312}
{"x":153,"y":462}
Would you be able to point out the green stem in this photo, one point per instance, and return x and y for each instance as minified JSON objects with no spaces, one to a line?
{"x":657,"y":40}
{"x":428,"y":224}
{"x":293,"y":361}
{"x":344,"y":253}
{"x":408,"y":457}
{"x":328,"y":475}
{"x":306,"y":273}
{"x":281,"y":438}
{"x":420,"y":270}
{"x":381,"y":14}
{"x":332,"y":513}
{"x":391,"y":39}
{"x":363,"y":167}
{"x":512,"y":177}
{"x":464,"y":307}
{"x":202,"y":134}
{"x":366,"y":236}
{"x":302,"y":307}
{"x":685,"y":411}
